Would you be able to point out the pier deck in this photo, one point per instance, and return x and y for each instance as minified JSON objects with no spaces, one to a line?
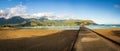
{"x":90,"y":41}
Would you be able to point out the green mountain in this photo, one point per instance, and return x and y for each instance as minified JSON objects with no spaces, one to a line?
{"x":13,"y":20}
{"x":31,"y":23}
{"x":18,"y":21}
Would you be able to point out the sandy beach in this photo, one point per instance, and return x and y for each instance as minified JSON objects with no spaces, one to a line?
{"x":36,"y":40}
{"x":24,"y":33}
{"x":110,"y":33}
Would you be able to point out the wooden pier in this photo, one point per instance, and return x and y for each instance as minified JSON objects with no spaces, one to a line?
{"x":87,"y":40}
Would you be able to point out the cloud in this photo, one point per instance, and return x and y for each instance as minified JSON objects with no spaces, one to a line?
{"x":117,"y":6}
{"x":3,"y":13}
{"x":17,"y":11}
{"x":43,"y":14}
{"x":50,"y":15}
{"x":21,"y":10}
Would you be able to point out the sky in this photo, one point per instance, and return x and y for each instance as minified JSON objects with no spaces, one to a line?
{"x":100,"y":11}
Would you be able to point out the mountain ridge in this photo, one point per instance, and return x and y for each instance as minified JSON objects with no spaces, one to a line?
{"x":42,"y":21}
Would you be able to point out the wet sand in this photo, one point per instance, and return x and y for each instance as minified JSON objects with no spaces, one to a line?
{"x":108,"y":32}
{"x":36,"y":40}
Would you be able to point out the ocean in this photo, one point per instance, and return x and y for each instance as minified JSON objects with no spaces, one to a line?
{"x":72,"y":27}
{"x":103,"y":26}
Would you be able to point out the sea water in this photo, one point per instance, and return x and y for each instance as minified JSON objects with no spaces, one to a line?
{"x":103,"y":26}
{"x":72,"y":27}
{"x":53,"y":27}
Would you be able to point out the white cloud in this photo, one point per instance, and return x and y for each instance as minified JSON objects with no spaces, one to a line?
{"x":63,"y":17}
{"x":3,"y":13}
{"x":50,"y":15}
{"x":43,"y":14}
{"x":17,"y":11}
{"x":117,"y":6}
{"x":21,"y":10}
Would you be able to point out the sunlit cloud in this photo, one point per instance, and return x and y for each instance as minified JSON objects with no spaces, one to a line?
{"x":17,"y":11}
{"x":117,"y":6}
{"x":21,"y":10}
{"x":43,"y":14}
{"x":51,"y":16}
{"x":3,"y":13}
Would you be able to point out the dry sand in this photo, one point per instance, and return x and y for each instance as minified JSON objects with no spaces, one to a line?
{"x":108,"y":32}
{"x":36,"y":40}
{"x":20,"y":33}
